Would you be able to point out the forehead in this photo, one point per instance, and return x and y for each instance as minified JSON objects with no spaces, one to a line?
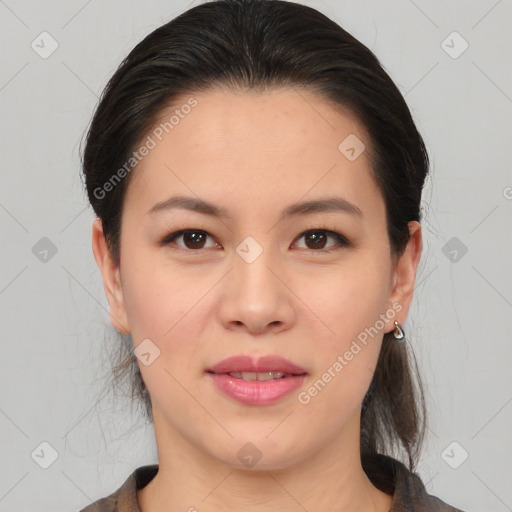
{"x":253,"y":148}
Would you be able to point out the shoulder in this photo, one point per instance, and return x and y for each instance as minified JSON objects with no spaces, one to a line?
{"x":407,"y":488}
{"x":124,"y":499}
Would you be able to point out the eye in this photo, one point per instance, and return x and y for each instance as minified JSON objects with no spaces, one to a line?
{"x":195,"y":239}
{"x":318,"y":237}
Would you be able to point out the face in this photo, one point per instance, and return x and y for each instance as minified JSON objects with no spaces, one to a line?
{"x":318,"y":288}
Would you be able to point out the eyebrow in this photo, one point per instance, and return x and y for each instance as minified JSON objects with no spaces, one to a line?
{"x":328,"y":204}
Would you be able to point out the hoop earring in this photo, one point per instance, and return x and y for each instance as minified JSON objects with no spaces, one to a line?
{"x":398,"y":334}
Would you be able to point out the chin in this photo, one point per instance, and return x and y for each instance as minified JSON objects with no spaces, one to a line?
{"x":259,"y":453}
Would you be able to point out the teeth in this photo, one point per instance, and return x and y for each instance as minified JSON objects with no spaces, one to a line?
{"x":260,"y":376}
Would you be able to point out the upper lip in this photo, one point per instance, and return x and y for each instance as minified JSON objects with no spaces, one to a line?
{"x":244,"y":363}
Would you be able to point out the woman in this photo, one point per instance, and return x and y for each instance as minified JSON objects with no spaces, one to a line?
{"x":257,"y":179}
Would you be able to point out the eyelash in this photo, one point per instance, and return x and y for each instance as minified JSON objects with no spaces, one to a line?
{"x":341,"y":240}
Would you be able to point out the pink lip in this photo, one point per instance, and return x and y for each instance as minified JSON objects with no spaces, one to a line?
{"x":248,"y":364}
{"x":256,"y":392}
{"x":253,"y":392}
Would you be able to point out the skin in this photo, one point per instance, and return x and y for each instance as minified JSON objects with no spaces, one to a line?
{"x":255,"y":153}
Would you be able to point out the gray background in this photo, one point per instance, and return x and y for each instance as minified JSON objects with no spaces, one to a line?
{"x":55,"y":333}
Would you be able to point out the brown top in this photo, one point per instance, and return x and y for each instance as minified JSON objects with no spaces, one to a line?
{"x":409,"y":493}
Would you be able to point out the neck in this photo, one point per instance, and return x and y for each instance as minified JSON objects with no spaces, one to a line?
{"x":188,"y":479}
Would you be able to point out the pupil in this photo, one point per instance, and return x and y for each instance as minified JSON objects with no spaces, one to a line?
{"x":195,"y":237}
{"x":317,"y":239}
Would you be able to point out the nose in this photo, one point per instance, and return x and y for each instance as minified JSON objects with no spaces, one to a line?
{"x":256,"y":296}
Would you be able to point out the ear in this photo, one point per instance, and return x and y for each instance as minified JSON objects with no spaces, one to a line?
{"x":404,"y":275}
{"x":111,"y":276}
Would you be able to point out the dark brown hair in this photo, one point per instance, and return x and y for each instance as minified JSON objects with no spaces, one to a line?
{"x":261,"y":44}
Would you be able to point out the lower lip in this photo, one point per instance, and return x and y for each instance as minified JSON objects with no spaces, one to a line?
{"x":254,"y":392}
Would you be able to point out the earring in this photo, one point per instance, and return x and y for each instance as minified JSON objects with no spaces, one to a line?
{"x":398,"y":333}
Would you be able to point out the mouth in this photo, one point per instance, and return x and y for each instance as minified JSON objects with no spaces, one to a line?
{"x":266,"y":381}
{"x":260,"y":376}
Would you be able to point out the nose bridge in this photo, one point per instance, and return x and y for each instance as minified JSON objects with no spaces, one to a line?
{"x":252,"y":261}
{"x":256,"y":297}
{"x":257,"y":277}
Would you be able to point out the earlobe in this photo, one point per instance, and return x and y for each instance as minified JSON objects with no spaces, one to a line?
{"x":111,"y":278}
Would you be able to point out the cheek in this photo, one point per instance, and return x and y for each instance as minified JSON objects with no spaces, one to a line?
{"x":158,"y":298}
{"x":348,"y":300}
{"x":349,"y":304}
{"x":346,"y":360}
{"x":164,"y":305}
